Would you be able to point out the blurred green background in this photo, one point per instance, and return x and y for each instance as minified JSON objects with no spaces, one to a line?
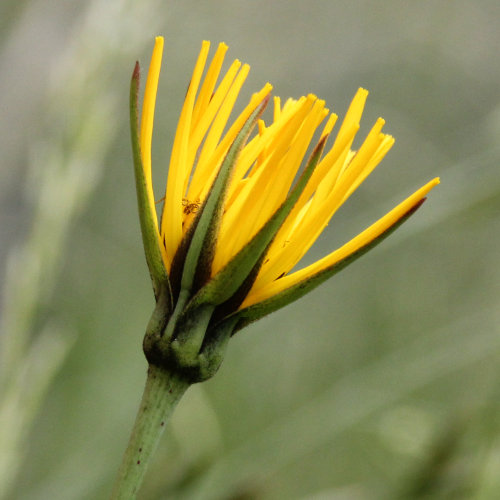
{"x":383,"y":383}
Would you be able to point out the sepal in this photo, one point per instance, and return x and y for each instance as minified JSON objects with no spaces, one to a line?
{"x":202,"y":240}
{"x":261,"y":309}
{"x":149,"y":229}
{"x":197,"y":349}
{"x":229,"y":280}
{"x":214,"y":348}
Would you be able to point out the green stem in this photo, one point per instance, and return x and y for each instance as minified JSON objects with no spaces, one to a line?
{"x":162,"y":393}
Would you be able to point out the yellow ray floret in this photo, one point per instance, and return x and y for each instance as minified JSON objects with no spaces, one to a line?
{"x":264,"y":173}
{"x":269,"y":289}
{"x":147,"y":117}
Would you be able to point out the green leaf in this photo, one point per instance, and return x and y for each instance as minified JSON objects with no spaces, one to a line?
{"x":149,"y":229}
{"x":227,"y":282}
{"x":257,"y":311}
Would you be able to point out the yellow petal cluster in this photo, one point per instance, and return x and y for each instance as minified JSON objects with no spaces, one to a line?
{"x":264,"y":172}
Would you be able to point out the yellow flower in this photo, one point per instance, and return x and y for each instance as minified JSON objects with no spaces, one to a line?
{"x":263,"y":173}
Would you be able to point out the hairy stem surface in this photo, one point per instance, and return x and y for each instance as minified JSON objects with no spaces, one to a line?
{"x":162,"y":393}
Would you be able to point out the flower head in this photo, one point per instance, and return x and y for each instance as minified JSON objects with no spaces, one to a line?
{"x":240,"y":211}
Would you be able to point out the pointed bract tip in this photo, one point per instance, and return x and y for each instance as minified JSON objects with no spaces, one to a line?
{"x":136,"y":75}
{"x":263,"y":105}
{"x":415,"y":207}
{"x":266,"y":99}
{"x":321,"y":142}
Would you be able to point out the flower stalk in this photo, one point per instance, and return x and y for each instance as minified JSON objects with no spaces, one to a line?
{"x":162,"y":393}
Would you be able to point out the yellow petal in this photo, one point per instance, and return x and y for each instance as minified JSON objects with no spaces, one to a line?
{"x":179,"y":168}
{"x":147,"y":117}
{"x":362,"y":239}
